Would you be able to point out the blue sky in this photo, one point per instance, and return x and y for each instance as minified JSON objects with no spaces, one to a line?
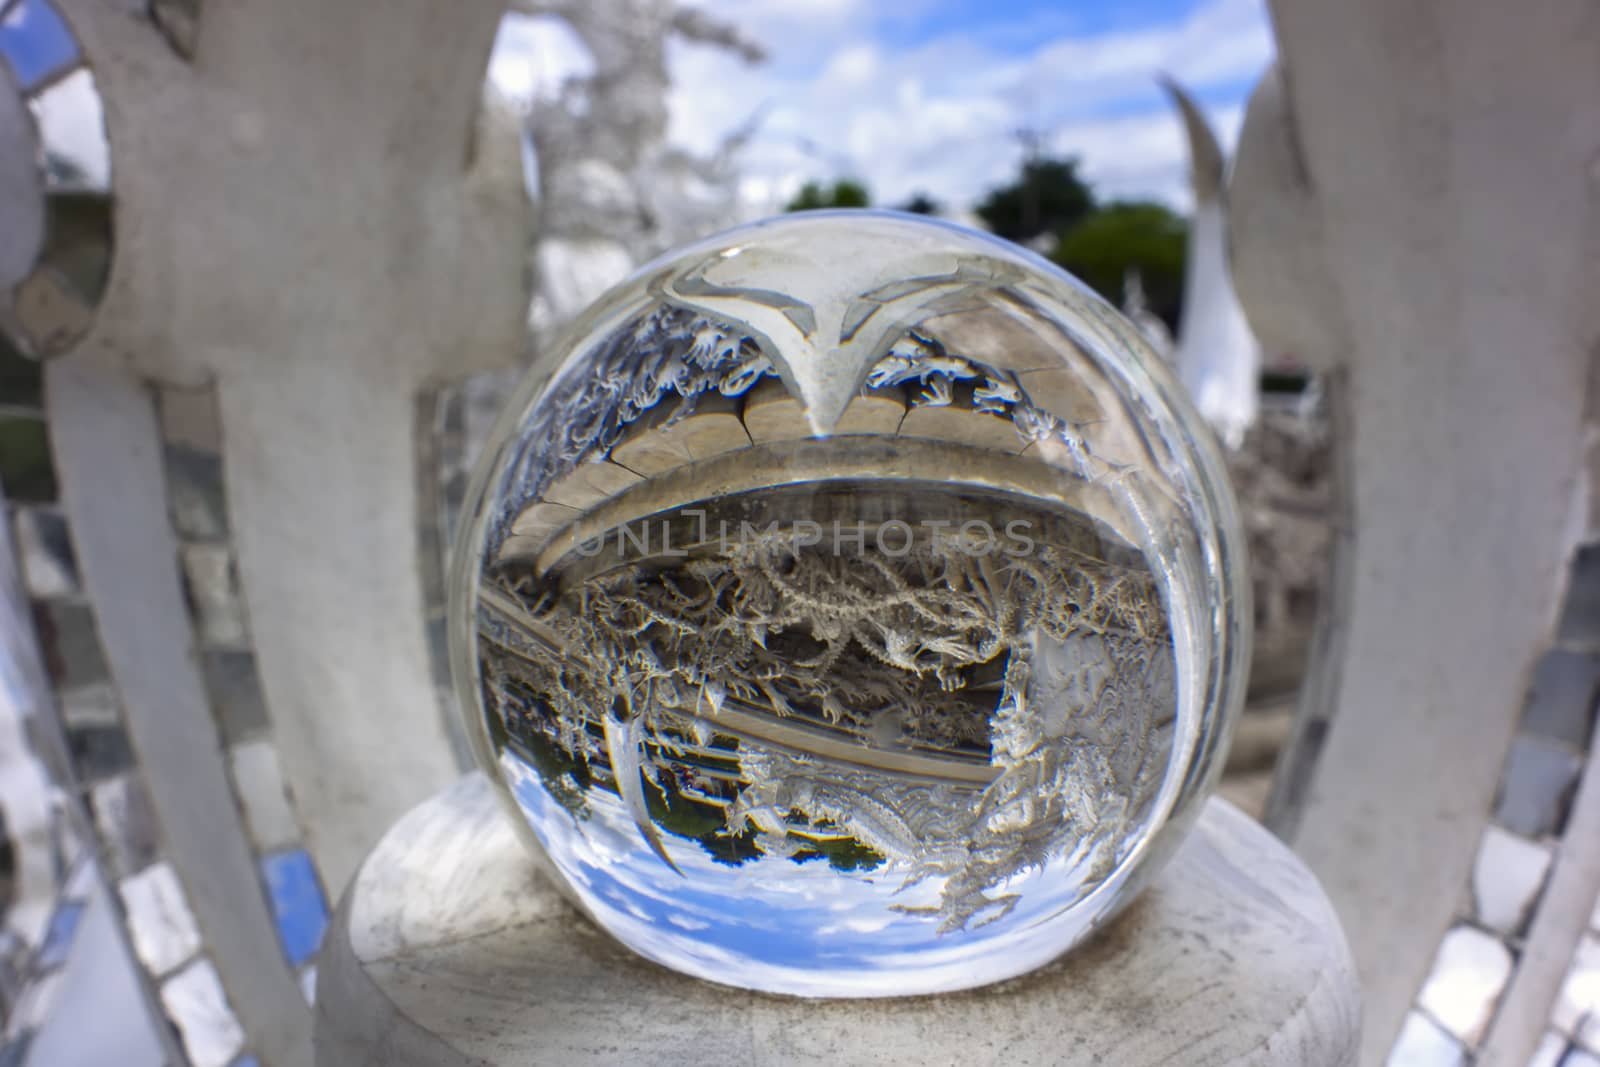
{"x":926,"y":94}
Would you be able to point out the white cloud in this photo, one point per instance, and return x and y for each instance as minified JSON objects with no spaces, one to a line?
{"x":941,"y":116}
{"x":72,"y":126}
{"x":534,"y":55}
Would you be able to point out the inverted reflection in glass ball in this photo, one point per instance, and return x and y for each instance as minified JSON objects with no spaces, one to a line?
{"x":852,"y":609}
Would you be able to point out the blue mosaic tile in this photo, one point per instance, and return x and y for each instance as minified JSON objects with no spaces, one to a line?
{"x":36,"y":42}
{"x":298,"y":907}
{"x":58,"y":938}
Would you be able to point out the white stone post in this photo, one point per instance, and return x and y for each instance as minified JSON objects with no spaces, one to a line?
{"x":1415,"y":207}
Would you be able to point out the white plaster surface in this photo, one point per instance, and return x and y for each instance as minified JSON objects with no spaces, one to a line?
{"x":451,"y":949}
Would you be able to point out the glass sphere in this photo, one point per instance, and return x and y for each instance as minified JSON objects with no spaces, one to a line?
{"x":851,"y":605}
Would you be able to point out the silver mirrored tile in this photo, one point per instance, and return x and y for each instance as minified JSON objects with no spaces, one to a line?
{"x":71,"y":644}
{"x":263,"y":796}
{"x":1422,"y":1043}
{"x":212,"y":583}
{"x":160,"y":922}
{"x":1561,"y":701}
{"x":126,"y":824}
{"x":1507,"y":878}
{"x":195,"y":494}
{"x":233,"y":686}
{"x":1463,"y":987}
{"x":99,"y":752}
{"x":1580,"y":990}
{"x":89,"y":707}
{"x":49,"y":567}
{"x":1579,"y":625}
{"x":196,"y":1003}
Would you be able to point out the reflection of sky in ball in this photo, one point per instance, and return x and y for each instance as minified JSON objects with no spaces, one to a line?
{"x":713,"y":918}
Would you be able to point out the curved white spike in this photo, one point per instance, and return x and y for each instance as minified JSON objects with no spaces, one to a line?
{"x":1217,"y":356}
{"x":622,"y":746}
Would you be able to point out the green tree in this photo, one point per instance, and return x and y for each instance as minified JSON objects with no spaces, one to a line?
{"x":1048,"y":196}
{"x":921,"y":204}
{"x":1144,"y":236}
{"x":844,"y":192}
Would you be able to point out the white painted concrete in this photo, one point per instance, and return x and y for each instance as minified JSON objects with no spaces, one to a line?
{"x":451,"y":949}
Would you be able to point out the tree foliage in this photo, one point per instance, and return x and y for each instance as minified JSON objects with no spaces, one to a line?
{"x":1120,"y":236}
{"x":1048,"y":197}
{"x":843,"y":192}
{"x":920,"y":204}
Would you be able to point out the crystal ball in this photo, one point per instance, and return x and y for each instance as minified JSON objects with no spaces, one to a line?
{"x":850,"y":604}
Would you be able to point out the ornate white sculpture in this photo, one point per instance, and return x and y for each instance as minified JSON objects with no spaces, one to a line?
{"x":612,"y":192}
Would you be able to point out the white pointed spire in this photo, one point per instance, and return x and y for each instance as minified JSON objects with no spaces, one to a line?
{"x":1217,"y":356}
